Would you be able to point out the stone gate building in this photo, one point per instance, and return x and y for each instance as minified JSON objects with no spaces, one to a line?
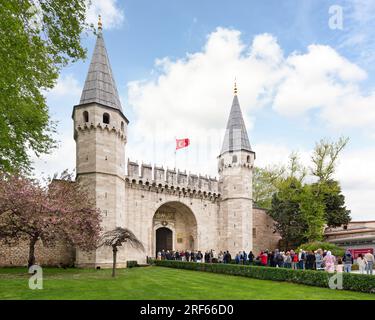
{"x":166,"y":209}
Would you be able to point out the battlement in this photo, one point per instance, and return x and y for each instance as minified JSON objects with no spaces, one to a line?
{"x":102,"y":126}
{"x":170,"y":178}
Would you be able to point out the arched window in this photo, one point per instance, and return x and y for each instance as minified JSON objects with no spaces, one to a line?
{"x":234,"y":159}
{"x":85,"y":116}
{"x":106,"y":118}
{"x":122,"y":125}
{"x":248,"y":159}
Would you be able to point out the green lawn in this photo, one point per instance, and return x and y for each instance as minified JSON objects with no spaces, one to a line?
{"x":156,"y":283}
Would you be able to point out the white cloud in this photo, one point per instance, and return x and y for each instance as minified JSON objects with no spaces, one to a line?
{"x":316,"y":79}
{"x":191,"y":97}
{"x":112,"y":15}
{"x":196,"y":89}
{"x":60,"y":159}
{"x":67,"y":85}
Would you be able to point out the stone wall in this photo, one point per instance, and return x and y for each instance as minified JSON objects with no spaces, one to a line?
{"x":140,"y":218}
{"x":17,"y":255}
{"x":263,"y":232}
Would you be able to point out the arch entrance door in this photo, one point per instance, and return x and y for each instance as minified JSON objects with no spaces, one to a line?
{"x":164,"y":239}
{"x":174,"y":228}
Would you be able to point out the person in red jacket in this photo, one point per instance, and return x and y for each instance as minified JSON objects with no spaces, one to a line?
{"x":294,"y":261}
{"x":263,"y":258}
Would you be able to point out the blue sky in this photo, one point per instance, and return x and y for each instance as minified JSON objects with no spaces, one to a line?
{"x":175,"y":62}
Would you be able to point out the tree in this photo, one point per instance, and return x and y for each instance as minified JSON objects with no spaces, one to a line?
{"x":327,"y":191}
{"x":286,"y":211}
{"x":265,"y":185}
{"x":336,"y":213}
{"x":325,"y":158}
{"x":37,"y":38}
{"x":266,"y":180}
{"x":115,"y":238}
{"x":300,"y":209}
{"x":312,"y":209}
{"x":59,"y":211}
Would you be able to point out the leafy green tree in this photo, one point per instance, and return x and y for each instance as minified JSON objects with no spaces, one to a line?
{"x":37,"y":38}
{"x":313,"y":212}
{"x":335,"y":213}
{"x":265,"y":182}
{"x":301,"y":209}
{"x":286,"y":211}
{"x":326,"y":189}
{"x":325,"y":158}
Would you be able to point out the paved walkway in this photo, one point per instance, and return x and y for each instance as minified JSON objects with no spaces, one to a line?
{"x":357,"y":271}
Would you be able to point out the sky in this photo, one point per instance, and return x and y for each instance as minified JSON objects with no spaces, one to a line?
{"x":305,"y":71}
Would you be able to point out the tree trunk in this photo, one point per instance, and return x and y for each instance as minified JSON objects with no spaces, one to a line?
{"x":31,"y":260}
{"x":114,"y":250}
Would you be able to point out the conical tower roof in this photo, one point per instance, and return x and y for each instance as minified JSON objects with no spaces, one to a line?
{"x":236,"y":137}
{"x":100,"y":86}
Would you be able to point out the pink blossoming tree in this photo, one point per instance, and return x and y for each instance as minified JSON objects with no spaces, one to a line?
{"x":60,"y":210}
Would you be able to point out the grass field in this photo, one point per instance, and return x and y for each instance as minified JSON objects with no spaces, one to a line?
{"x":156,"y":283}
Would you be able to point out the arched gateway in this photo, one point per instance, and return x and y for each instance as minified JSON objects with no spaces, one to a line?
{"x":174,"y":228}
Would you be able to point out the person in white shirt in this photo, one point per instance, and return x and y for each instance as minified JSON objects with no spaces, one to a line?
{"x":361,"y":264}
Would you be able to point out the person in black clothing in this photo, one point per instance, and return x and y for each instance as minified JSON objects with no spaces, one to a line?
{"x":206,"y":257}
{"x":271,"y":259}
{"x":228,"y":257}
{"x":310,"y":260}
{"x":187,"y":255}
{"x":250,"y":257}
{"x":279,"y":259}
{"x":199,"y":256}
{"x":193,"y":256}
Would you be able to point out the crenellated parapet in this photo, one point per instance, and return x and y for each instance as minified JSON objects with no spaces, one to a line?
{"x":178,"y":182}
{"x":102,"y":126}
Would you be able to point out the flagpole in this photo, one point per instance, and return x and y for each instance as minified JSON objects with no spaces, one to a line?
{"x":175,"y":154}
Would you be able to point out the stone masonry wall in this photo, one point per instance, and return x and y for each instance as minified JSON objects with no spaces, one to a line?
{"x":17,"y":255}
{"x":263,"y":232}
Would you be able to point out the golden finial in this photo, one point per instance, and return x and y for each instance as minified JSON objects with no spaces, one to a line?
{"x":100,"y":24}
{"x":235,"y":86}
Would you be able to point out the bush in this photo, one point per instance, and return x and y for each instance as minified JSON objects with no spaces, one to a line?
{"x":131,"y":264}
{"x":353,"y":282}
{"x":312,"y":246}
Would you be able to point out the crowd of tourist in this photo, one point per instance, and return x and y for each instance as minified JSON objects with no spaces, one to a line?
{"x":309,"y":260}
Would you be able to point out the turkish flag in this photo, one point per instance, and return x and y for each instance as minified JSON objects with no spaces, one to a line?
{"x":182,"y":143}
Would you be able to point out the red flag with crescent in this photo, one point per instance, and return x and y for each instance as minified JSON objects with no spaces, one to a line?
{"x":182,"y":143}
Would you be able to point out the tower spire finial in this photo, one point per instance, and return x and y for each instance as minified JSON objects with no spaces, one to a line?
{"x":100,"y":24}
{"x":235,"y":86}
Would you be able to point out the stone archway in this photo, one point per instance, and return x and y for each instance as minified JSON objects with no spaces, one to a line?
{"x":180,"y":220}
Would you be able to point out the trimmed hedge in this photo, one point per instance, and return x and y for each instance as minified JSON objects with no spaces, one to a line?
{"x":353,"y":282}
{"x":131,"y":264}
